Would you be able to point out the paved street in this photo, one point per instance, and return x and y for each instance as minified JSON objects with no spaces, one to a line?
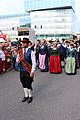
{"x":56,"y":97}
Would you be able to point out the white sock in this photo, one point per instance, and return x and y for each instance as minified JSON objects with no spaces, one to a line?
{"x":25,"y":92}
{"x":29,"y":92}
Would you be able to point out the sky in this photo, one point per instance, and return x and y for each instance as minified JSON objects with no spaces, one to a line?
{"x":17,"y":6}
{"x":77,"y":9}
{"x":11,"y":7}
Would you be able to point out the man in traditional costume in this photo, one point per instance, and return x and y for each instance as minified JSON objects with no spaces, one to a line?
{"x":27,"y":62}
{"x":62,"y":51}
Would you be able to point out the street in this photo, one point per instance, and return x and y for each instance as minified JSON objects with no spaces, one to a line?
{"x":55,"y":97}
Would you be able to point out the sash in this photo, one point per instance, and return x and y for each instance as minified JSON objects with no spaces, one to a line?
{"x":25,"y":65}
{"x":21,"y":56}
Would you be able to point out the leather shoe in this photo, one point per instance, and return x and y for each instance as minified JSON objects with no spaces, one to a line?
{"x":30,"y":100}
{"x":25,"y":99}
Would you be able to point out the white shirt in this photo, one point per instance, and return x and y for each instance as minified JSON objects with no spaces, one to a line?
{"x":54,"y":48}
{"x":78,"y":49}
{"x":71,"y":49}
{"x":2,"y":55}
{"x":33,"y":58}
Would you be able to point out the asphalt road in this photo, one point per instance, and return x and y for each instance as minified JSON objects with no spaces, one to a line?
{"x":56,"y":97}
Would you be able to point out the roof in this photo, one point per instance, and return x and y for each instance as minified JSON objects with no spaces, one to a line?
{"x":55,"y":8}
{"x":24,"y":29}
{"x":13,"y":15}
{"x":31,"y":5}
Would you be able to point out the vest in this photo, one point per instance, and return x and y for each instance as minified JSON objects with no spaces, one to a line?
{"x":27,"y":57}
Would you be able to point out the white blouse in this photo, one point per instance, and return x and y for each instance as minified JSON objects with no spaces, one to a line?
{"x":2,"y":55}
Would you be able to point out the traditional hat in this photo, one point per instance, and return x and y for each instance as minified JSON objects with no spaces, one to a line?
{"x":25,"y":40}
{"x":14,"y":42}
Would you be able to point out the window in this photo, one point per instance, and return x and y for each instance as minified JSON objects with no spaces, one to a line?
{"x":21,"y":33}
{"x":35,"y":26}
{"x":12,"y":28}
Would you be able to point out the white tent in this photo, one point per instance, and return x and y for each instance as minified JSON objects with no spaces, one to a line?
{"x":2,"y":40}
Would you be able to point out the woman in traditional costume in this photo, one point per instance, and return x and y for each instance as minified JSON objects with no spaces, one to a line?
{"x":2,"y":58}
{"x":70,"y":65}
{"x":55,"y":62}
{"x":43,"y":56}
{"x":7,"y":57}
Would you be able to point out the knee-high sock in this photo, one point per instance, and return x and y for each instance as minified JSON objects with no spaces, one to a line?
{"x":30,"y":92}
{"x":26,"y":92}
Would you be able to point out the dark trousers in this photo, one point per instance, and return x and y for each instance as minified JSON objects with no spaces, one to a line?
{"x":26,"y":80}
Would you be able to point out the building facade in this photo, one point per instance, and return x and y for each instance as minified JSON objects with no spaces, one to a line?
{"x":10,"y":23}
{"x":52,"y":18}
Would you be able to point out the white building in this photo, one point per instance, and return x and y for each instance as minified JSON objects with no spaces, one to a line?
{"x":55,"y":18}
{"x":10,"y":23}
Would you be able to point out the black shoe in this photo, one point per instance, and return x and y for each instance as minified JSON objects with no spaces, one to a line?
{"x":30,"y":100}
{"x":25,"y":99}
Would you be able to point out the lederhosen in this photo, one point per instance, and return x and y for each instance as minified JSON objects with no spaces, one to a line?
{"x":25,"y":78}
